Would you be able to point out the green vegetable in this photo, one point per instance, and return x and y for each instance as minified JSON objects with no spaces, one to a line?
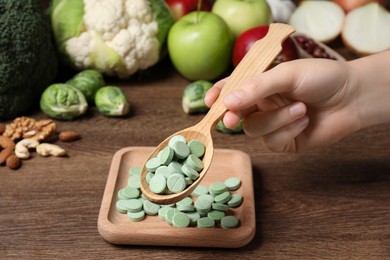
{"x":28,"y":62}
{"x":193,"y":97}
{"x":222,"y":128}
{"x":111,"y":101}
{"x":117,"y":37}
{"x":88,"y":82}
{"x":63,"y":101}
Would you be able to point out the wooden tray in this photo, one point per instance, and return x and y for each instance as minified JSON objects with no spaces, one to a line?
{"x":117,"y":229}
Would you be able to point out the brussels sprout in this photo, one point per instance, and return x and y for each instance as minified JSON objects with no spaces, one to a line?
{"x":222,"y":128}
{"x":111,"y":101}
{"x":193,"y":95}
{"x":88,"y":82}
{"x":63,"y":101}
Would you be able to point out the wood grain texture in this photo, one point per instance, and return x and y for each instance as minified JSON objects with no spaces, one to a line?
{"x":117,"y":229}
{"x":329,"y":203}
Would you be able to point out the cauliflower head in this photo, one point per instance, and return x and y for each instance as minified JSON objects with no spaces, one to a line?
{"x":115,"y":37}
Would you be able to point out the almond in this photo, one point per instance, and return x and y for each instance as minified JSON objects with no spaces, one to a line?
{"x":7,"y":146}
{"x":2,"y":129}
{"x":13,"y":162}
{"x":68,"y":136}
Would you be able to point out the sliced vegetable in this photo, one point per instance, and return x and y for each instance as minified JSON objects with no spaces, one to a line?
{"x":321,"y":20}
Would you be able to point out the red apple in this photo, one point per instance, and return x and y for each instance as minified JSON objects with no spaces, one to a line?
{"x":349,"y":5}
{"x":245,"y":41}
{"x":180,"y":8}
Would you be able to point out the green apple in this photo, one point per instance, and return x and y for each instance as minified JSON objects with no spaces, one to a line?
{"x":242,"y":15}
{"x":200,"y":46}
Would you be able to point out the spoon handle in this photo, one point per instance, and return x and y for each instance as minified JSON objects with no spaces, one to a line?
{"x":259,"y":57}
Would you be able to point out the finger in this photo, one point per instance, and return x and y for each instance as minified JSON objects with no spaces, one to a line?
{"x":262,"y":86}
{"x":213,"y":93}
{"x":264,"y":122}
{"x":231,"y":119}
{"x":283,"y":140}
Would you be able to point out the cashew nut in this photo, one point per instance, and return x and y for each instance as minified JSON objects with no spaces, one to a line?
{"x":46,"y":149}
{"x":21,"y":148}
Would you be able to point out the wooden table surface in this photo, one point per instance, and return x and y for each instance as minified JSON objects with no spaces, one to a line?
{"x":326,"y":203}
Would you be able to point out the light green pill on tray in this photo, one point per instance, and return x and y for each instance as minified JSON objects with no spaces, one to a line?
{"x":180,"y":220}
{"x":229,"y":222}
{"x":235,"y":200}
{"x":162,"y":212}
{"x":135,"y":170}
{"x":150,"y":208}
{"x":216,"y":215}
{"x":165,"y":155}
{"x":217,"y":188}
{"x":176,"y":183}
{"x":121,"y":206}
{"x":128,"y":193}
{"x":158,"y":184}
{"x":136,"y":216}
{"x":207,"y":197}
{"x":185,"y":201}
{"x":223,"y":197}
{"x":220,"y":207}
{"x":169,"y":215}
{"x":133,"y":205}
{"x":205,"y":222}
{"x":134,"y":181}
{"x":185,"y":208}
{"x":200,"y":190}
{"x":194,"y":216}
{"x":194,"y":162}
{"x":152,"y":164}
{"x":232,"y":183}
{"x":196,"y":147}
{"x":202,"y":206}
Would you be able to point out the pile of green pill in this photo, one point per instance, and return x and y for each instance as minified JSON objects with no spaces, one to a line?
{"x":176,"y":166}
{"x":207,"y":207}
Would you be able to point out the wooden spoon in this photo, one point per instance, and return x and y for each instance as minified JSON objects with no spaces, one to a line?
{"x":259,"y":57}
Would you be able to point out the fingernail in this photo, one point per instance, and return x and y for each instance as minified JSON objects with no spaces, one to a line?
{"x":235,"y":97}
{"x":298,"y":110}
{"x":304,"y":121}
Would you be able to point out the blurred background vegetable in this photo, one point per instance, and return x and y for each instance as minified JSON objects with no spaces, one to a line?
{"x":63,"y":101}
{"x":111,"y":101}
{"x":118,"y":37}
{"x":193,"y":97}
{"x":88,"y":82}
{"x":28,"y":61}
{"x":223,"y":129}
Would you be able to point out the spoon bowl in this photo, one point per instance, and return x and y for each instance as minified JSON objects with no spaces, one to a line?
{"x":192,"y":133}
{"x":257,"y":60}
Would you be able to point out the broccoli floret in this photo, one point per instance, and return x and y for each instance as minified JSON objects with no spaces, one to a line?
{"x":28,"y":59}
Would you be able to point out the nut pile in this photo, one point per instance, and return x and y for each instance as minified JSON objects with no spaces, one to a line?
{"x":24,"y":134}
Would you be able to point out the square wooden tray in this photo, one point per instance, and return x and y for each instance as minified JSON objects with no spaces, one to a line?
{"x":117,"y":229}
